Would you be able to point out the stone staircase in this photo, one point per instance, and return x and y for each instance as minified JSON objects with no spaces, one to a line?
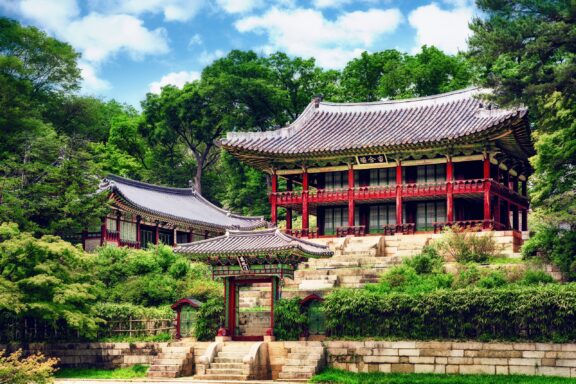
{"x":303,"y":361}
{"x":228,"y":364}
{"x":174,"y":360}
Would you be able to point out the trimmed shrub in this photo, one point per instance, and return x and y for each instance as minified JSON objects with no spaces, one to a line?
{"x":427,"y":261}
{"x":289,"y":321}
{"x":210,"y":319}
{"x":493,"y":279}
{"x":532,"y":277}
{"x":540,"y":313}
{"x":15,"y":369}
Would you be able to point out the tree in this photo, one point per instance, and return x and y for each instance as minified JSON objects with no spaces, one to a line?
{"x":527,"y":52}
{"x":192,"y":115}
{"x":47,"y":279}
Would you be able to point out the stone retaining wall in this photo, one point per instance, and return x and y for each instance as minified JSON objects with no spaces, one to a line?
{"x":93,"y":355}
{"x":453,"y":357}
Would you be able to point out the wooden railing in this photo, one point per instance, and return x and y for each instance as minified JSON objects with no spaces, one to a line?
{"x":328,"y":195}
{"x":468,"y":186}
{"x":111,"y":235}
{"x":289,"y":197}
{"x":375,"y":192}
{"x":310,"y":233}
{"x":129,"y":243}
{"x":405,"y":229}
{"x":359,"y":230}
{"x":472,"y":225}
{"x":424,"y":189}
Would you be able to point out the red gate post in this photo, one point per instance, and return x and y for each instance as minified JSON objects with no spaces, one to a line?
{"x":399,"y":192}
{"x":305,"y":217}
{"x":487,"y":184}
{"x":274,"y":199}
{"x":449,"y":190}
{"x":350,"y":196}
{"x":289,"y":210}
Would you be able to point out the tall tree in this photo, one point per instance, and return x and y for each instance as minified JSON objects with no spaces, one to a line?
{"x":527,"y":52}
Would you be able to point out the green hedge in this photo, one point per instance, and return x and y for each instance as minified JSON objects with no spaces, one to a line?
{"x":542,"y":313}
{"x":210,"y":319}
{"x":289,"y":322}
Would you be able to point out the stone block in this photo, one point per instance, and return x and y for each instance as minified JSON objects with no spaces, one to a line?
{"x":535,"y":354}
{"x":502,"y":370}
{"x":421,"y":360}
{"x":372,"y":367}
{"x":460,"y":360}
{"x":565,"y":355}
{"x":467,"y":345}
{"x":505,"y":354}
{"x":386,"y":368}
{"x":440,"y":368}
{"x":385,"y":352}
{"x":402,"y":344}
{"x":477,"y":369}
{"x":381,"y":359}
{"x":566,"y":363}
{"x":498,"y":346}
{"x":402,"y":368}
{"x":424,"y":368}
{"x":568,"y":347}
{"x":452,"y":369}
{"x":363,"y":351}
{"x":525,"y":346}
{"x":553,"y":371}
{"x":549,"y":362}
{"x":337,"y":351}
{"x":441,"y":360}
{"x":521,"y":370}
{"x":409,"y":352}
{"x":527,"y":362}
{"x":434,"y":345}
{"x":548,"y":347}
{"x":490,"y":361}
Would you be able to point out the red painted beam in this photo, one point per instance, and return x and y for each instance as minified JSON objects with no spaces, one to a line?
{"x":350,"y":196}
{"x":273,"y":200}
{"x":449,"y":190}
{"x":399,"y":192}
{"x":305,"y":214}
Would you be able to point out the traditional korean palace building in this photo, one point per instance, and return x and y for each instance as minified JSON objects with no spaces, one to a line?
{"x":143,"y":213}
{"x":396,"y":166}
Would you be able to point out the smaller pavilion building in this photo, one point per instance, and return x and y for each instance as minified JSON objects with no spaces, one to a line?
{"x":243,"y":258}
{"x":142,"y":214}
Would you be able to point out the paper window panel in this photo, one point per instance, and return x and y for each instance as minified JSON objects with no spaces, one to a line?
{"x":111,"y":224}
{"x":127,"y":231}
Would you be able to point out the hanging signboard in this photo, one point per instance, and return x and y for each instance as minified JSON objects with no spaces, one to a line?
{"x":243,"y":263}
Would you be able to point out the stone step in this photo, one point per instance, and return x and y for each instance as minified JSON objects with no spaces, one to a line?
{"x":165,"y":368}
{"x":303,"y":356}
{"x":227,"y":365}
{"x":221,"y":378}
{"x":183,"y":350}
{"x":163,"y":361}
{"x":307,"y":349}
{"x":295,"y":375}
{"x":228,"y":360}
{"x":299,"y":368}
{"x":300,"y":362}
{"x":224,"y":371}
{"x":163,"y":355}
{"x":169,"y":374}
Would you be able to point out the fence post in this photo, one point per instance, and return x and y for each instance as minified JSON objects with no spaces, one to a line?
{"x":130,"y":326}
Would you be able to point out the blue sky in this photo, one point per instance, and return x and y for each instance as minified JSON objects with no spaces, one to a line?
{"x":130,"y":47}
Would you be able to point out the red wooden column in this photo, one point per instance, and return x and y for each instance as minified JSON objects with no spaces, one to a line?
{"x":399,"y":193}
{"x":449,"y":190}
{"x":487,"y":184}
{"x":350,"y":196}
{"x":515,"y":218}
{"x":138,"y":234}
{"x":305,"y":216}
{"x":274,"y":199}
{"x":157,"y":233}
{"x":118,"y":215}
{"x":289,"y":210}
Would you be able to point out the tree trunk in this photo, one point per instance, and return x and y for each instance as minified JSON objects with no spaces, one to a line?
{"x":198,"y":177}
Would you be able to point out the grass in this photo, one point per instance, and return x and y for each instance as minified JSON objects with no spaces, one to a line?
{"x":161,"y":337}
{"x":133,"y":372}
{"x":506,"y":260}
{"x":335,"y":376}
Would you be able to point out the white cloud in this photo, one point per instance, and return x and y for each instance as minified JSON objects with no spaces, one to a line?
{"x":305,"y":32}
{"x":447,"y":30}
{"x":330,"y":3}
{"x":91,"y":83}
{"x":174,"y":78}
{"x":49,"y":14}
{"x":99,"y":37}
{"x":173,"y":10}
{"x":239,"y":6}
{"x":195,"y":40}
{"x":206,"y":57}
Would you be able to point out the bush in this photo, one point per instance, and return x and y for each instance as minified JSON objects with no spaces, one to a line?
{"x":404,"y":278}
{"x":539,"y":313}
{"x":33,"y":369}
{"x":532,"y":277}
{"x":210,"y":319}
{"x":494,"y":279}
{"x":465,"y":246}
{"x":289,"y":321}
{"x":427,"y":261}
{"x":555,"y":245}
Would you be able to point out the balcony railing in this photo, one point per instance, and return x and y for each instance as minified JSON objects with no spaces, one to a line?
{"x":393,"y":229}
{"x":381,"y":192}
{"x":111,"y":235}
{"x":310,"y":233}
{"x":359,"y":230}
{"x":129,"y":244}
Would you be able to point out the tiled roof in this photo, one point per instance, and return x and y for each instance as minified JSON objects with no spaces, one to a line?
{"x":176,"y":204}
{"x":331,"y":128}
{"x":237,"y":243}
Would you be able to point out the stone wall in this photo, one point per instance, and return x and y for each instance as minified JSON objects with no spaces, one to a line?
{"x":93,"y":355}
{"x":453,"y":357}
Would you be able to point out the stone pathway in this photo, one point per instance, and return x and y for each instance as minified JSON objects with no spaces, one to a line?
{"x":185,"y":380}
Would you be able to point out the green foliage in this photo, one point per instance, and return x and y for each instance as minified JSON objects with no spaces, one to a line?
{"x":494,"y":279}
{"x":210,"y":319}
{"x":405,"y":279}
{"x":465,"y":246}
{"x":15,"y":369}
{"x":289,"y":321}
{"x":336,"y":376}
{"x":133,"y":372}
{"x":526,"y":52}
{"x":532,"y":277}
{"x":125,"y":311}
{"x":46,"y":278}
{"x":426,"y":261}
{"x":514,"y":312}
